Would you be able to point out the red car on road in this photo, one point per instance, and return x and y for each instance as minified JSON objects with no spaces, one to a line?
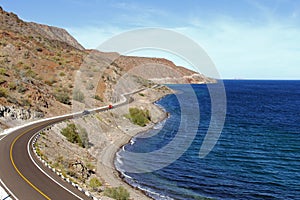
{"x":110,"y":106}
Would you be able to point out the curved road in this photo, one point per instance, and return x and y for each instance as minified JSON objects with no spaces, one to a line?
{"x":20,"y":174}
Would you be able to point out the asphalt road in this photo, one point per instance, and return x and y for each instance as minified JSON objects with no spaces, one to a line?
{"x":19,"y":173}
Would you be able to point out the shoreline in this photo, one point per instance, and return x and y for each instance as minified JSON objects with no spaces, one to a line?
{"x":120,"y":174}
{"x":107,"y":157}
{"x":108,"y":132}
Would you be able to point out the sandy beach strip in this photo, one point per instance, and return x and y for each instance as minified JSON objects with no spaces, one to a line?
{"x":107,"y":156}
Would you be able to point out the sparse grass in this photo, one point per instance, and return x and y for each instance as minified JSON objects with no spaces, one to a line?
{"x":78,"y":95}
{"x":118,"y":193}
{"x":95,"y":183}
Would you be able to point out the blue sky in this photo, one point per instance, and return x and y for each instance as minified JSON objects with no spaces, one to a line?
{"x":253,"y":39}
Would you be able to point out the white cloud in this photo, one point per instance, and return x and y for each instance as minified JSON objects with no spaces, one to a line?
{"x":242,"y":50}
{"x":239,"y":49}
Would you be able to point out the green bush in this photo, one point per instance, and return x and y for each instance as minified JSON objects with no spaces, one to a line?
{"x":3,"y":71}
{"x":138,"y":116}
{"x":2,"y":80}
{"x":3,"y":92}
{"x":95,"y":183}
{"x":70,"y":132}
{"x":12,"y":86}
{"x":62,"y":96}
{"x":76,"y":135}
{"x":78,"y":96}
{"x":119,"y":193}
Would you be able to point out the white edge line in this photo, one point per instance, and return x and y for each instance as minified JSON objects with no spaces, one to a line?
{"x":8,"y":131}
{"x":6,"y":188}
{"x":3,"y":184}
{"x":28,"y":149}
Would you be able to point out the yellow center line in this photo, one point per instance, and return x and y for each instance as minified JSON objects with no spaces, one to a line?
{"x":14,"y":165}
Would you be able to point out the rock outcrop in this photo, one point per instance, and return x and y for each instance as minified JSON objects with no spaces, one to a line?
{"x":12,"y":112}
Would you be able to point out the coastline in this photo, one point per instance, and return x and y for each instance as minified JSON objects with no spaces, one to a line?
{"x":107,"y":132}
{"x":108,"y":157}
{"x":121,"y":176}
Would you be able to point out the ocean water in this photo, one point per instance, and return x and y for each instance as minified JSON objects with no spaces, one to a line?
{"x":256,"y":157}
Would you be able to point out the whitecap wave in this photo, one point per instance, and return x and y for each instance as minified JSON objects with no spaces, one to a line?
{"x":132,"y":141}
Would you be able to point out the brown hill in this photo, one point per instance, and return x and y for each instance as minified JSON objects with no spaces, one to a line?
{"x":45,"y":71}
{"x":11,"y":22}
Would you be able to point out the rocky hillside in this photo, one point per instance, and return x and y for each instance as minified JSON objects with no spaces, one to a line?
{"x":44,"y":71}
{"x":10,"y":21}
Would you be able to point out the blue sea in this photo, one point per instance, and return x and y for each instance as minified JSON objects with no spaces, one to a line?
{"x":256,"y":156}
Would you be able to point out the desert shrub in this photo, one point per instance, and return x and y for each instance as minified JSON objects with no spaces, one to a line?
{"x":50,"y":82}
{"x":78,"y":96}
{"x":62,"y":74}
{"x":2,"y":71}
{"x":90,"y":86}
{"x":76,"y":135}
{"x":97,"y":97}
{"x":30,"y":73}
{"x":21,"y":89}
{"x":71,"y":133}
{"x":95,"y":183}
{"x":25,"y":102}
{"x":3,"y":92}
{"x":118,"y":193}
{"x":83,"y":136}
{"x":12,"y":86}
{"x":138,"y":116}
{"x":62,"y":96}
{"x":2,"y":80}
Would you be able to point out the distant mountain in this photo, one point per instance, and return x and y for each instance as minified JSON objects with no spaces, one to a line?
{"x":44,"y":70}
